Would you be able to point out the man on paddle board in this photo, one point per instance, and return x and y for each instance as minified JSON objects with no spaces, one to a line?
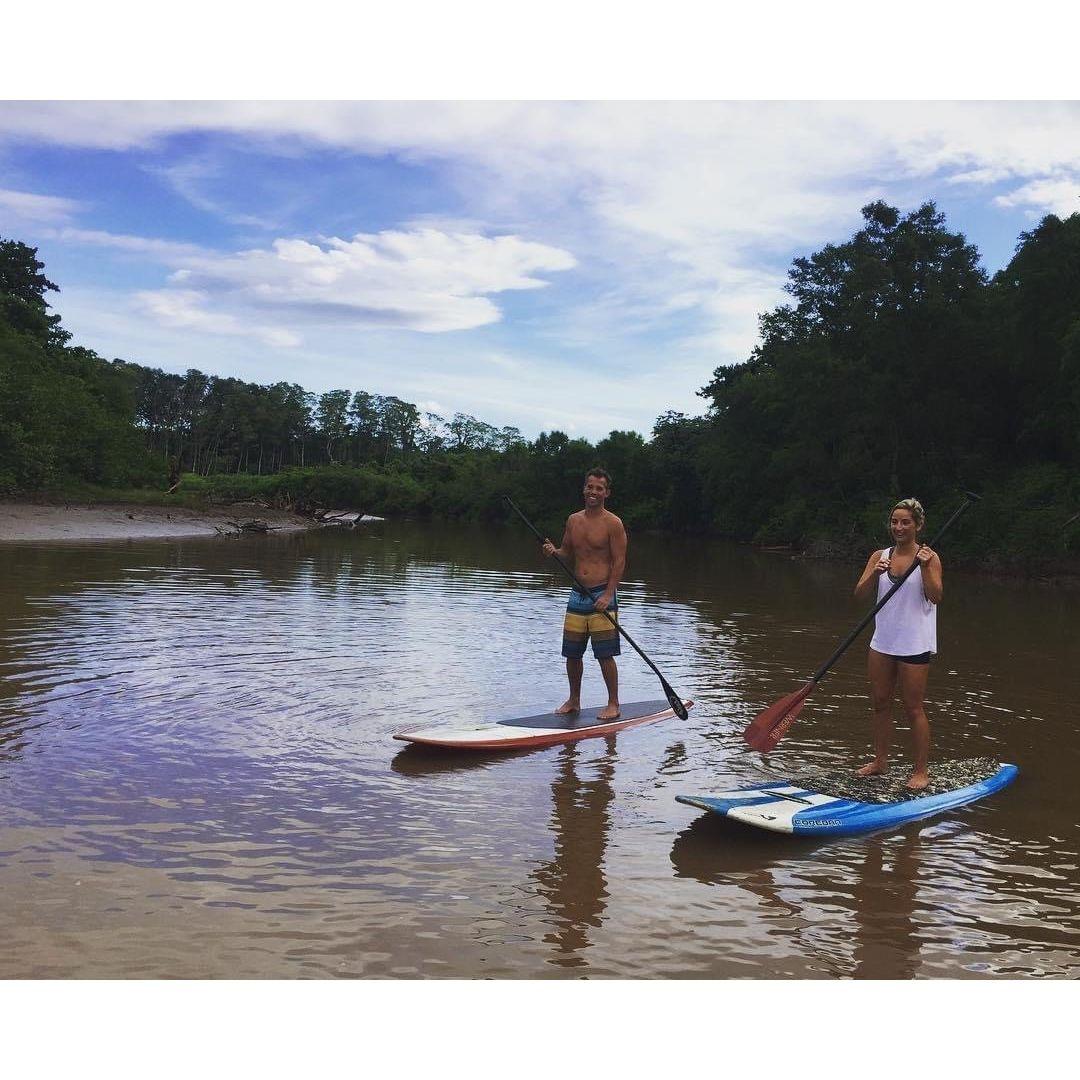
{"x":905,"y":637}
{"x":596,"y":542}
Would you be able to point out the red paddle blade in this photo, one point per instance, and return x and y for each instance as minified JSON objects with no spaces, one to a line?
{"x":770,"y":725}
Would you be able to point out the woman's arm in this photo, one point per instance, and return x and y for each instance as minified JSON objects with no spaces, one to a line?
{"x":876,"y":565}
{"x":930,"y":568}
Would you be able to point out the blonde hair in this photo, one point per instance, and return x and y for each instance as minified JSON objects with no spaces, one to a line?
{"x":914,"y":507}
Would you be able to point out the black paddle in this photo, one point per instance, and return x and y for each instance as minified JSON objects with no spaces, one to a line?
{"x":770,"y":725}
{"x":674,"y":700}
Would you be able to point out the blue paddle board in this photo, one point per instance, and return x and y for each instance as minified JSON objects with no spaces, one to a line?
{"x":796,"y":807}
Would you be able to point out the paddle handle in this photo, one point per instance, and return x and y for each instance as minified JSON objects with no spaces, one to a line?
{"x":969,"y":498}
{"x":674,"y":700}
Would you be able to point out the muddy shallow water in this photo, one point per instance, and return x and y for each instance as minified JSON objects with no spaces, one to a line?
{"x":198,"y":779}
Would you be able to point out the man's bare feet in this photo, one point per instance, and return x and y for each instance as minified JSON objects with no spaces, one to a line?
{"x":917,"y":781}
{"x":875,"y":768}
{"x":568,"y":706}
{"x":608,"y":712}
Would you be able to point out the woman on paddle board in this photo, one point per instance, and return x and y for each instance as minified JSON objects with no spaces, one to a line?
{"x":905,"y":637}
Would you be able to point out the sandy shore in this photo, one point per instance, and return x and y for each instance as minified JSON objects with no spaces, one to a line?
{"x":28,"y":522}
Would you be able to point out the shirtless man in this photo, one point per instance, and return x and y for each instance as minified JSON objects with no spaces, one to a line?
{"x":596,"y":542}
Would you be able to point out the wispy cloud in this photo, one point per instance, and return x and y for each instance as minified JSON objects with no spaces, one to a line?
{"x":504,"y":362}
{"x":189,"y":309}
{"x":167,"y":252}
{"x":30,"y":207}
{"x":192,"y":178}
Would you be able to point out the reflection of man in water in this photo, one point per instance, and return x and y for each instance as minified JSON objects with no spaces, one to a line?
{"x":573,"y":883}
{"x":596,"y":542}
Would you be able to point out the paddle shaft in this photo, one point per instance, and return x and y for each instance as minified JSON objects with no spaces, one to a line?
{"x":672,"y":697}
{"x":969,"y":498}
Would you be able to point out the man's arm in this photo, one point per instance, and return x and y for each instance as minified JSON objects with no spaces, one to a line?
{"x":566,"y":549}
{"x":617,"y":541}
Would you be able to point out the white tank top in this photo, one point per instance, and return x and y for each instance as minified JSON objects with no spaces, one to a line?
{"x":907,"y":624}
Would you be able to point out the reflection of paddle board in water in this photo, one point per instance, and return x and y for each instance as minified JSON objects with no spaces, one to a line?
{"x":543,"y":729}
{"x":840,"y":804}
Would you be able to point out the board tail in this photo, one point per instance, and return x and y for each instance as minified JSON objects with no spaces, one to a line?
{"x":771,"y":724}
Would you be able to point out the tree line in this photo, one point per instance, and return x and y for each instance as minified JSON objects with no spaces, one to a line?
{"x":897,"y":367}
{"x":209,"y":425}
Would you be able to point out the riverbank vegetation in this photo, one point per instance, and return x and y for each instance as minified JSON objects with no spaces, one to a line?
{"x":898,"y":367}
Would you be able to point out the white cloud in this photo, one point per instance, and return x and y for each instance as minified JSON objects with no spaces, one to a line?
{"x":988,"y":175}
{"x":188,"y":309}
{"x":27,"y":206}
{"x":734,"y":309}
{"x":422,"y":280}
{"x":164,"y":251}
{"x":692,"y":185}
{"x":626,"y":159}
{"x":190,"y":180}
{"x":536,"y":398}
{"x":1049,"y":196}
{"x":504,"y":362}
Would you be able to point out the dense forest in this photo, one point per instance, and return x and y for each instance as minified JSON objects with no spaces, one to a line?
{"x":898,"y":367}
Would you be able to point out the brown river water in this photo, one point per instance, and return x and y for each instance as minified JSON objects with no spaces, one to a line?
{"x":198,"y":778}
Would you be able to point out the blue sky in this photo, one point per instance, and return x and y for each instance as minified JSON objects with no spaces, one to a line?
{"x":574,"y":265}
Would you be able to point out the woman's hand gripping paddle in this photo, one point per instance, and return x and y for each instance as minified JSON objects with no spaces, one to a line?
{"x":770,"y":725}
{"x":674,"y":700}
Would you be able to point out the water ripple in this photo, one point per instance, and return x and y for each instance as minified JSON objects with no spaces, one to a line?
{"x":195,"y":748}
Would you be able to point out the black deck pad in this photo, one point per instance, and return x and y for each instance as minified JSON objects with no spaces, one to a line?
{"x":587,"y":717}
{"x":889,"y":787}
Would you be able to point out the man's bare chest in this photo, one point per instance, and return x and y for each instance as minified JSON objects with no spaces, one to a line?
{"x":592,"y":537}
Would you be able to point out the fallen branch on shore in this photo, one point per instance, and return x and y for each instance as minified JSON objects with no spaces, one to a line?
{"x":235,"y":528}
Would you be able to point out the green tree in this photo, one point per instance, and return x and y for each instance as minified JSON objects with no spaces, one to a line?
{"x":23,"y":306}
{"x":331,"y":419}
{"x":1038,"y":296}
{"x":864,"y":384}
{"x":468,"y":433}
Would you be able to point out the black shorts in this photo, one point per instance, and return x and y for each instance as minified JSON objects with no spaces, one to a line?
{"x":919,"y":658}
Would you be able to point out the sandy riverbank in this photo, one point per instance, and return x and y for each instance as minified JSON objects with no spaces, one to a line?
{"x":29,"y":522}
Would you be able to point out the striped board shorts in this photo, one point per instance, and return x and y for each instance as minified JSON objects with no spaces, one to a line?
{"x":583,"y":621}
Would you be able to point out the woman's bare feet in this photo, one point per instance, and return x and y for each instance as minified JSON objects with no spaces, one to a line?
{"x":568,"y":706}
{"x":875,"y":768}
{"x":918,"y":781}
{"x":608,"y":712}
